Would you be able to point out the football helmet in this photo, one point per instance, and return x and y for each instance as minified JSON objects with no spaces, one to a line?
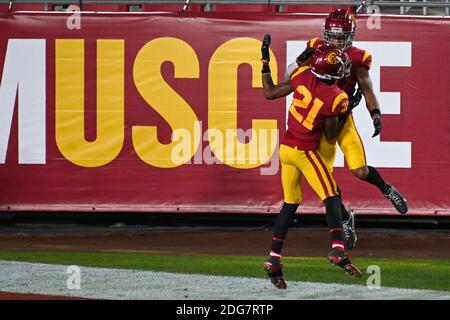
{"x":330,"y":63}
{"x":339,"y":29}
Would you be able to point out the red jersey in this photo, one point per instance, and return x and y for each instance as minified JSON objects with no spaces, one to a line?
{"x":358,"y":57}
{"x":312,"y":103}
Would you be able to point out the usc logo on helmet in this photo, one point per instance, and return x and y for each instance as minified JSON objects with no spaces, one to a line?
{"x":331,"y":57}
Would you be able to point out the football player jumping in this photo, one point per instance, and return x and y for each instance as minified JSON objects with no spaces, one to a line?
{"x":318,"y":107}
{"x":339,"y":29}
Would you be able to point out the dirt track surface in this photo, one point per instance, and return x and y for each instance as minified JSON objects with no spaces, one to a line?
{"x":300,"y":242}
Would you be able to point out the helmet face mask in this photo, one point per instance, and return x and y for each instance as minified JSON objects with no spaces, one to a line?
{"x":344,"y":70}
{"x":340,"y":39}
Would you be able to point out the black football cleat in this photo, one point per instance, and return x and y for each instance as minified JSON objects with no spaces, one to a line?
{"x":340,"y":259}
{"x":397,"y":199}
{"x":275,"y":274}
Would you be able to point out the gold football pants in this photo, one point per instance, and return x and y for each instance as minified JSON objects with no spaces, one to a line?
{"x":297,"y":163}
{"x":350,"y":143}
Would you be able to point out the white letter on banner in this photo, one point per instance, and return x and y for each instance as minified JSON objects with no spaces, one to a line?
{"x":74,"y":21}
{"x":381,"y":154}
{"x":24,"y":72}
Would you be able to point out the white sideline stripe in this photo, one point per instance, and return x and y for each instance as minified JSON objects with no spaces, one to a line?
{"x":100,"y":283}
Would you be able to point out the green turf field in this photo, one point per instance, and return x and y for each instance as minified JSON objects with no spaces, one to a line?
{"x":401,"y":273}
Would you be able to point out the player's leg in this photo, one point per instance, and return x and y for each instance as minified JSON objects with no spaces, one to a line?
{"x":290,"y":178}
{"x":327,"y":149}
{"x":322,"y":182}
{"x":351,"y":145}
{"x":348,"y":224}
{"x":337,"y":255}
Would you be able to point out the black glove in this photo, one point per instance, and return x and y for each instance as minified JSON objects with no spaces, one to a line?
{"x":305,"y":55}
{"x":377,"y":125}
{"x":355,"y":99}
{"x":265,"y":48}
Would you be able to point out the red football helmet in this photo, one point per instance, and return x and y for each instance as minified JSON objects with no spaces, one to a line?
{"x":330,"y":63}
{"x":339,"y":29}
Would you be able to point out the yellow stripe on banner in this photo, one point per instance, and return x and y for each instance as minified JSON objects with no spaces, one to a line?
{"x":338,"y":99}
{"x":322,"y":173}
{"x":300,"y":70}
{"x":366,"y":55}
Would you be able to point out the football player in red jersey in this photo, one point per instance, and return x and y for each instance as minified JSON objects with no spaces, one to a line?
{"x":339,"y":29}
{"x":318,"y":106}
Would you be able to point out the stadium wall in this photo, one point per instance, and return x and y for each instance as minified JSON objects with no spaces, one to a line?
{"x":140,"y":112}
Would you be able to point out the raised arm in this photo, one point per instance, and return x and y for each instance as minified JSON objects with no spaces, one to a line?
{"x":304,"y":58}
{"x":365,"y":83}
{"x":270,"y":90}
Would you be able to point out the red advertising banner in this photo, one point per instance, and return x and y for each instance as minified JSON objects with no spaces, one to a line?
{"x":165,"y":112}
